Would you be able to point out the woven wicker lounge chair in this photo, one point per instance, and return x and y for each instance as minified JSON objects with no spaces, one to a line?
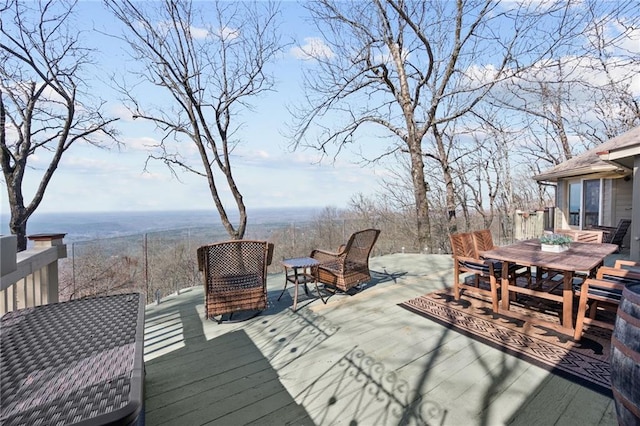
{"x":235,"y":276}
{"x":349,"y":266}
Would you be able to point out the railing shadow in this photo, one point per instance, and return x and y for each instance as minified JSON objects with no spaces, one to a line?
{"x":334,"y":382}
{"x":285,"y":338}
{"x":372,"y":393}
{"x":192,"y":379}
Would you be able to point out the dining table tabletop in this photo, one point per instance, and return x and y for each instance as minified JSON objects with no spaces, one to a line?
{"x":579,"y":257}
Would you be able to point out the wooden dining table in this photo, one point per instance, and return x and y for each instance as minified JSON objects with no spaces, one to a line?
{"x":580,"y":257}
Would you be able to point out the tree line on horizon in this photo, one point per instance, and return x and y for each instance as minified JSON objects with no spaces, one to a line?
{"x":465,"y":101}
{"x":164,"y":262}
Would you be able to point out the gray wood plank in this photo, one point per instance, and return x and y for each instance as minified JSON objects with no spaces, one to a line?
{"x":359,"y":359}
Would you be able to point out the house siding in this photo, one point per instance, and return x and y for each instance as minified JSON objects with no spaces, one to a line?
{"x":617,"y":199}
{"x":608,"y":208}
{"x":561,"y":221}
{"x":622,"y":204}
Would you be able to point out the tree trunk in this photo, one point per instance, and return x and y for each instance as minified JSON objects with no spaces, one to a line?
{"x":423,"y":222}
{"x":18,"y":227}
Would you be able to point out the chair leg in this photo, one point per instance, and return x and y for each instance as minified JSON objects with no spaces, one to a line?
{"x":494,"y":293}
{"x":582,"y":308}
{"x":456,"y":282}
{"x":593,"y":309}
{"x":222,"y":316}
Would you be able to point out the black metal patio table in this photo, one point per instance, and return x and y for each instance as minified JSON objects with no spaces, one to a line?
{"x":76,"y":362}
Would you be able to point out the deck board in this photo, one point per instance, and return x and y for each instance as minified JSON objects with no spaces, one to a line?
{"x":358,"y":359}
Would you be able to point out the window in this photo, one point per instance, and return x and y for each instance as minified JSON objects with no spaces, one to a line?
{"x":584,"y":203}
{"x":591,"y":203}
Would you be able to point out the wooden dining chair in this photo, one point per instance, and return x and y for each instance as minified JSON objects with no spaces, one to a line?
{"x":467,"y":261}
{"x":483,"y":241}
{"x":631,"y":265}
{"x":583,"y":236}
{"x":579,"y":236}
{"x":605,"y":291}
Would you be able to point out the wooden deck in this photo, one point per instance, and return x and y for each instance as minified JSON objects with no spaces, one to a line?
{"x":358,"y":360}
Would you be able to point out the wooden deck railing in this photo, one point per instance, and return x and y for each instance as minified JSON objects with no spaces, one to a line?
{"x":528,"y":224}
{"x":30,"y":278}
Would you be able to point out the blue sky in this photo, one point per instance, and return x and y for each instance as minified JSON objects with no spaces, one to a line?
{"x":268,"y":173}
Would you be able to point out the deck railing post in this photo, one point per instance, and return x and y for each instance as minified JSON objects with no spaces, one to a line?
{"x":47,"y":280}
{"x":8,"y":252}
{"x":30,"y":277}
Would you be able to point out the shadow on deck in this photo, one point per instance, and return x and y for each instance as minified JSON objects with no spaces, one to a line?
{"x":224,"y":380}
{"x":358,"y":360}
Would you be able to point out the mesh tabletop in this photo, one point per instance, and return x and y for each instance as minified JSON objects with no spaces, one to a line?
{"x":73,"y":362}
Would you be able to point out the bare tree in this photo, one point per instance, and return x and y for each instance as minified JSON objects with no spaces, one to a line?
{"x":210,"y":63}
{"x":613,"y":39}
{"x":581,"y":96}
{"x":44,"y":106}
{"x":409,"y":68}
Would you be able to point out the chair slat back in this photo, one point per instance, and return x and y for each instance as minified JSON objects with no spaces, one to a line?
{"x":620,"y":232}
{"x":462,"y":245}
{"x":593,"y":237}
{"x":483,"y":240}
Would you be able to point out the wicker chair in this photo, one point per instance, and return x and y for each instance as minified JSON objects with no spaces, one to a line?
{"x":349,"y":266}
{"x":235,"y":276}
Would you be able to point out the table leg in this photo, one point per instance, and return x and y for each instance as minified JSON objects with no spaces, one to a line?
{"x":295,"y":290}
{"x":567,"y":301}
{"x":295,"y":283}
{"x":286,"y":282}
{"x":504,"y":285}
{"x":304,"y":273}
{"x":314,"y":272}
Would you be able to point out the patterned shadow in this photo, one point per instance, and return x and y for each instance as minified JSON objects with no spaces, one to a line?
{"x":361,"y":385}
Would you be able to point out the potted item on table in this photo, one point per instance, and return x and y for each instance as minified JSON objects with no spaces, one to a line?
{"x":555,"y":243}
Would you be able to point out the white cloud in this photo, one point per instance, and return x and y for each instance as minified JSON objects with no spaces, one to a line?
{"x":481,"y":73}
{"x":227,"y":33}
{"x":91,"y":165}
{"x":313,"y":48}
{"x":198,"y":33}
{"x":122,"y":112}
{"x":143,"y":143}
{"x":630,"y":44}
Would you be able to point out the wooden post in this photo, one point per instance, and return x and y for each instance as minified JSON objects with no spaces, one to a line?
{"x":8,"y":252}
{"x":47,"y":279}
